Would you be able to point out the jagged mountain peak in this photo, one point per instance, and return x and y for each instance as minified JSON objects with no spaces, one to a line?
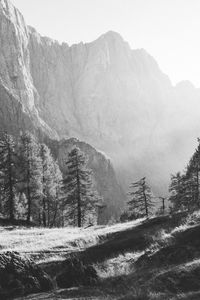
{"x":6,"y":6}
{"x":112,"y":41}
{"x":185,"y":84}
{"x":112,"y":35}
{"x":9,"y":11}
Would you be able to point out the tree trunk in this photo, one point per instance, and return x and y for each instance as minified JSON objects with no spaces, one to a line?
{"x":11,"y":193}
{"x":197,"y":186}
{"x":78,"y":204}
{"x":28,"y":191}
{"x":163,"y":199}
{"x":44,"y":213}
{"x":39,"y":218}
{"x":29,"y":205}
{"x":54,"y":216}
{"x":78,"y":195}
{"x":145,"y":200}
{"x":48,"y":213}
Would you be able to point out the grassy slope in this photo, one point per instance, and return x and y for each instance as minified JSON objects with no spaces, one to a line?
{"x":46,"y":245}
{"x":140,"y":261}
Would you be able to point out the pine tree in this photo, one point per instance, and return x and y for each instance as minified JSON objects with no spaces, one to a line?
{"x":185,"y":188}
{"x":188,"y":195}
{"x":57,"y":206}
{"x":141,"y":202}
{"x":192,"y":173}
{"x":47,"y":182}
{"x":8,"y":176}
{"x":20,"y":206}
{"x":30,"y":173}
{"x":81,"y":196}
{"x":176,"y":190}
{"x":51,"y":186}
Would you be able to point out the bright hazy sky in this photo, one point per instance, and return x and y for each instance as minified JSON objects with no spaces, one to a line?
{"x":168,"y":29}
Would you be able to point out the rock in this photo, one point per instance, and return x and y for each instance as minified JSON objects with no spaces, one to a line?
{"x":20,"y":276}
{"x":45,"y":283}
{"x":17,"y":94}
{"x":76,"y":273}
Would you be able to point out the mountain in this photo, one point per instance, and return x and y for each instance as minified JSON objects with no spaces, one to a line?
{"x":104,"y":93}
{"x":23,"y":105}
{"x":17,"y":93}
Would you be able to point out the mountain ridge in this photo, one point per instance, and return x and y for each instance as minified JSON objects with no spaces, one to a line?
{"x":111,"y":96}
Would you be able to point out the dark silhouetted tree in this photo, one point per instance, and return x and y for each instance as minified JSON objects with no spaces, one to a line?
{"x":8,"y":174}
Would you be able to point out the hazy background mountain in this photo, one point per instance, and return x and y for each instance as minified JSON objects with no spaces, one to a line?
{"x":103,"y":92}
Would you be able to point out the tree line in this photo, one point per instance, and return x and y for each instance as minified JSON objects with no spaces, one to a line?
{"x":32,"y":186}
{"x":185,"y":187}
{"x":184,"y":193}
{"x":140,"y":201}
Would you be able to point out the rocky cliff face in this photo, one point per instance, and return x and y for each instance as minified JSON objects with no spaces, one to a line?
{"x":18,"y":95}
{"x":96,"y":90}
{"x":104,"y":93}
{"x":36,"y":94}
{"x":118,"y":100}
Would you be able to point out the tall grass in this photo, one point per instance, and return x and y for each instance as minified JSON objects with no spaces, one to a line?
{"x":55,"y":242}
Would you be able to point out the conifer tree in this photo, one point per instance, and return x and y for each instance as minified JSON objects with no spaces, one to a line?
{"x":188,"y":195}
{"x":57,"y":206}
{"x":47,"y":182}
{"x":192,"y":173}
{"x":176,"y":190}
{"x":8,"y":175}
{"x":81,"y":195}
{"x":30,"y":173}
{"x":185,"y":188}
{"x":140,"y":202}
{"x":51,"y":181}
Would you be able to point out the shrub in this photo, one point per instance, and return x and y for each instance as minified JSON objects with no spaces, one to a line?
{"x":193,"y":219}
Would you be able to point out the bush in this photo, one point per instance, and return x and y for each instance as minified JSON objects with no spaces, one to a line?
{"x":193,"y":219}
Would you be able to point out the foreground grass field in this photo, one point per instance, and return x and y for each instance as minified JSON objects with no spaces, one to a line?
{"x":46,"y":245}
{"x":155,"y":259}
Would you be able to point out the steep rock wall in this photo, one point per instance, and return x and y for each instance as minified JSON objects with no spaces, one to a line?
{"x":18,"y":96}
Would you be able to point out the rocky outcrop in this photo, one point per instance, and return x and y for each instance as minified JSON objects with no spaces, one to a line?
{"x":20,"y":276}
{"x":75,"y":273}
{"x":105,"y":179}
{"x":18,"y":96}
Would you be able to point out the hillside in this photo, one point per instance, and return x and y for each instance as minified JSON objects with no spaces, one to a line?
{"x":147,"y":259}
{"x":83,"y":129}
